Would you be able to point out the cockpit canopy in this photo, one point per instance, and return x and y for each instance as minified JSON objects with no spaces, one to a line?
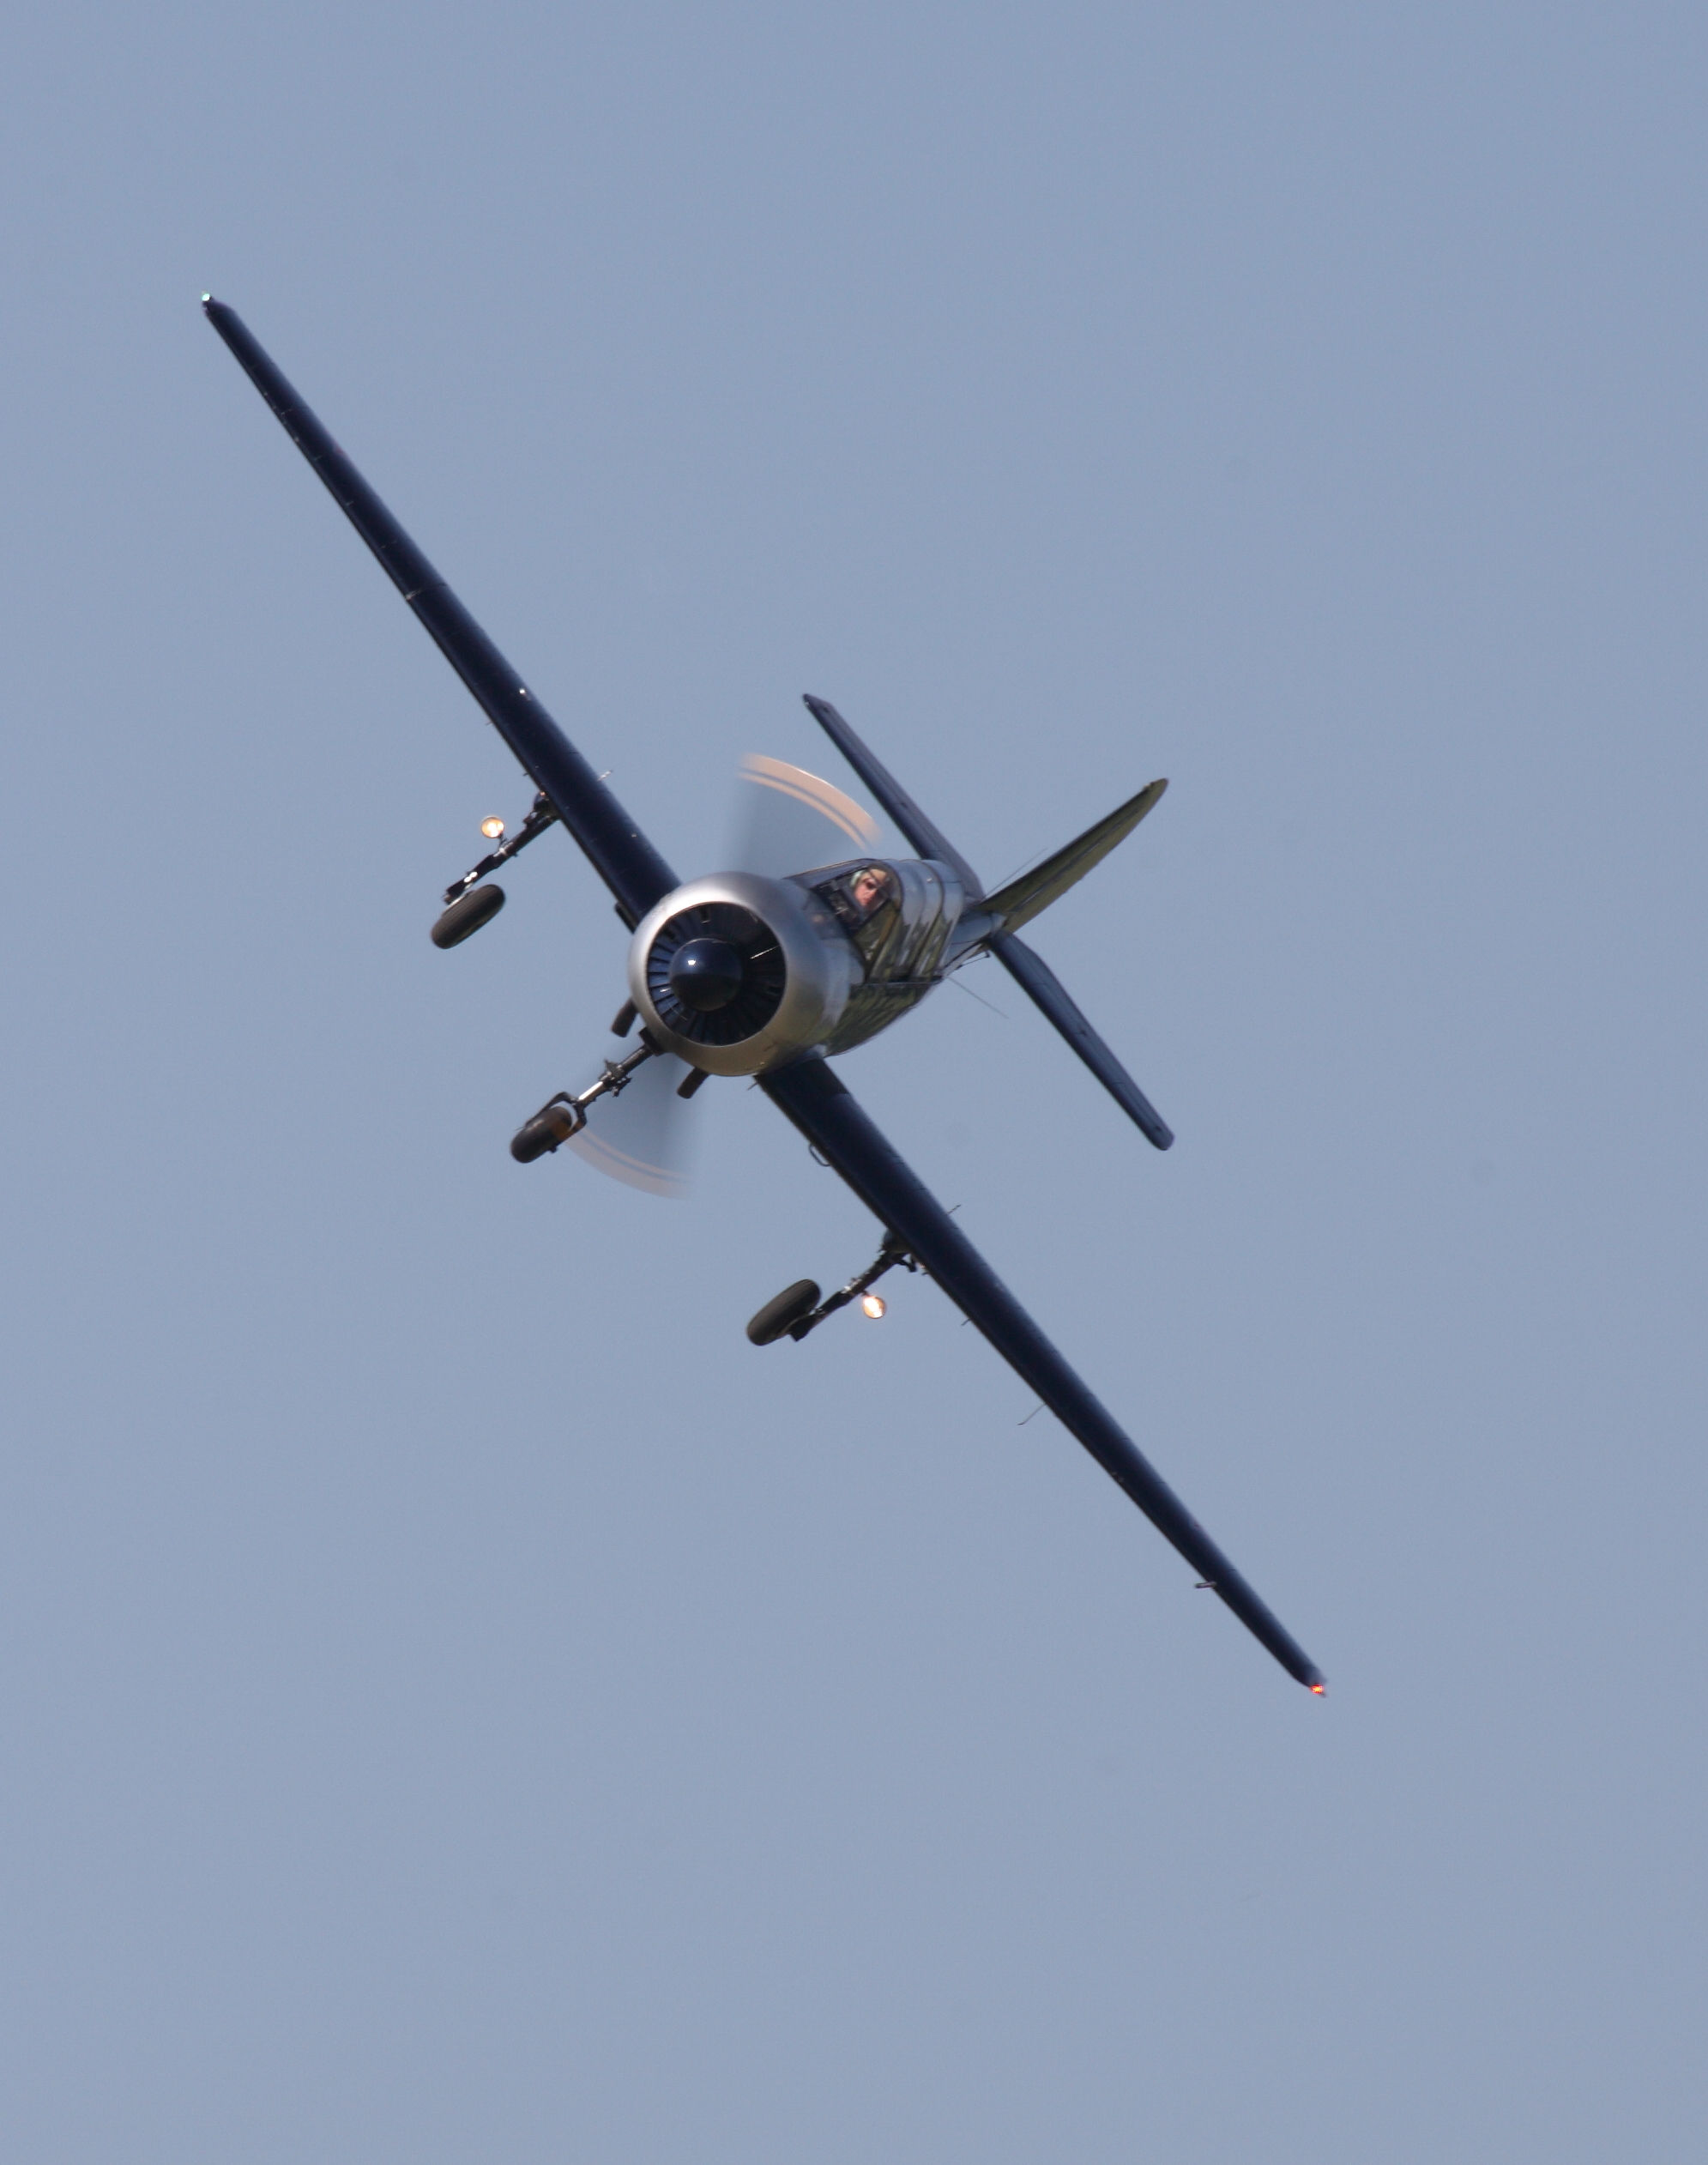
{"x":898,"y":914}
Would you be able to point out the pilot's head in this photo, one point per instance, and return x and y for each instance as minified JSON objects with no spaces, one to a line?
{"x":871,"y":885}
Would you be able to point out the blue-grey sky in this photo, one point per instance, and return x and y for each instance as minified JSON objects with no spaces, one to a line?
{"x":460,"y":1700}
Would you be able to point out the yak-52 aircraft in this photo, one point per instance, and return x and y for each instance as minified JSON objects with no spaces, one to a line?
{"x":767,"y":970}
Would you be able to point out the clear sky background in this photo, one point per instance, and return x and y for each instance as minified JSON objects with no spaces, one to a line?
{"x":460,"y":1700}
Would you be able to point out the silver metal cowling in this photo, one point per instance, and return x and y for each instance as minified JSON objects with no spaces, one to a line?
{"x":820,"y":967}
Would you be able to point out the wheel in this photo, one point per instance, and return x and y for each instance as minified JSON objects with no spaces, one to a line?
{"x":550,"y":1126}
{"x":468,"y":914}
{"x":776,"y":1318}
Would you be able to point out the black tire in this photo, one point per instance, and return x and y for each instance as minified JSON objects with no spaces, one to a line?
{"x":550,"y":1126}
{"x":468,"y":914}
{"x":775,"y":1318}
{"x":532,"y":1141}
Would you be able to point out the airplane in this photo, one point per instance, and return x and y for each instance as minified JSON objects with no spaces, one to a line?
{"x":769,"y":972}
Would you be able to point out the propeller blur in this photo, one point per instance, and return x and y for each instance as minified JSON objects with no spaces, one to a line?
{"x":645,"y":1137}
{"x":786,"y":819}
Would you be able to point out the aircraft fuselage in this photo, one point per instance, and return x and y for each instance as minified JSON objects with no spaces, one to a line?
{"x":739,"y":974}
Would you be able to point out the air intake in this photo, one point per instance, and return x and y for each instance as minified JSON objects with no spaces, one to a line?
{"x":715,"y":974}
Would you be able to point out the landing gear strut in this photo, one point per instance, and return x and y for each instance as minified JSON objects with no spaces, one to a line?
{"x":798,"y":1308}
{"x":563,"y":1116}
{"x":468,"y":905}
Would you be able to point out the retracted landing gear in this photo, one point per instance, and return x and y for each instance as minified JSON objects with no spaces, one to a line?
{"x":563,"y":1116}
{"x":468,"y":905}
{"x":798,"y":1308}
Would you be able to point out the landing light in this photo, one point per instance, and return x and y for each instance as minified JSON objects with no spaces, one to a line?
{"x":873,"y":1304}
{"x":492,"y":828}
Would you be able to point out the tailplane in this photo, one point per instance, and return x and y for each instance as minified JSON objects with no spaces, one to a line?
{"x":1016,"y":903}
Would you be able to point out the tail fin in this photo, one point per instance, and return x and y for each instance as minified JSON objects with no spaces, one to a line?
{"x":1022,"y":899}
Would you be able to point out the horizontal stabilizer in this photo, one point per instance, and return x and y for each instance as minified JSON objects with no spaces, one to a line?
{"x":1022,"y":899}
{"x":1035,"y":976}
{"x":925,"y":837}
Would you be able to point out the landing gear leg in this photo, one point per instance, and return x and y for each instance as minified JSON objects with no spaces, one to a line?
{"x":798,"y":1309}
{"x":563,"y":1116}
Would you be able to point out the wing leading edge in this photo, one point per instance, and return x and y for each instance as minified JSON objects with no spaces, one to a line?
{"x":619,"y":852}
{"x":820,"y":1106}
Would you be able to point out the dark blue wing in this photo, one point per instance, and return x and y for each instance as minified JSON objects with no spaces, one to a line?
{"x":818,"y":1103}
{"x":622,"y":858}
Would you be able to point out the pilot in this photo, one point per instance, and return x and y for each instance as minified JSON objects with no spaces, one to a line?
{"x":870,"y":887}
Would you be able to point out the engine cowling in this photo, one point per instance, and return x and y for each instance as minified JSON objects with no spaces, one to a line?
{"x":737,"y":974}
